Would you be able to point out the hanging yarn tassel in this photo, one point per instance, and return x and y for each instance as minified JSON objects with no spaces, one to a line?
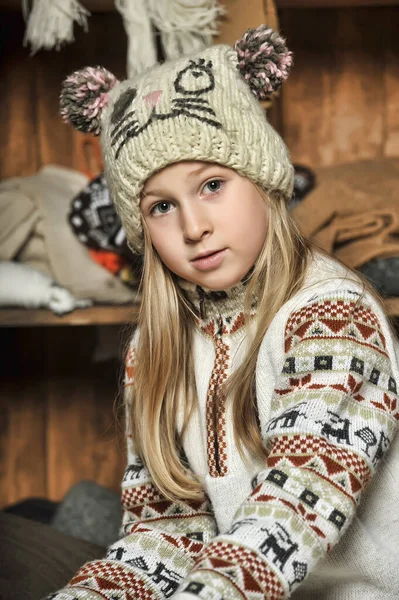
{"x":142,"y":51}
{"x":50,"y":22}
{"x":186,"y":26}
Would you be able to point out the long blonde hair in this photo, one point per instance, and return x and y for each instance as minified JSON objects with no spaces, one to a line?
{"x":164,"y":373}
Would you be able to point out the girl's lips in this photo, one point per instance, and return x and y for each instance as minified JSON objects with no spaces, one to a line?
{"x":207,"y":263}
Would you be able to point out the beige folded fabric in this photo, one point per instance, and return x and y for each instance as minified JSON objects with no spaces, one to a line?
{"x":34,"y":230}
{"x":18,"y":219}
{"x":353,"y":213}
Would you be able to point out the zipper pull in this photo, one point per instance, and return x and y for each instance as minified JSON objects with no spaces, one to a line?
{"x":220,"y":328}
{"x":201,"y":303}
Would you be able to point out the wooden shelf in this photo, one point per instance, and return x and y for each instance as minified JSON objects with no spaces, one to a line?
{"x":108,"y":5}
{"x":333,"y":3}
{"x":96,"y":315}
{"x":101,"y":315}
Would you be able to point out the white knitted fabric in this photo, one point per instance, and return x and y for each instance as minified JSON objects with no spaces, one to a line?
{"x":363,"y":563}
{"x":303,"y":524}
{"x":194,"y":108}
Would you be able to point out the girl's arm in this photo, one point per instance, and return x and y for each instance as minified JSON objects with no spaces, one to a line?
{"x":160,"y":540}
{"x":334,"y":413}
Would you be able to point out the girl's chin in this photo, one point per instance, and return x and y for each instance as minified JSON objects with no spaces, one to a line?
{"x":216,"y":285}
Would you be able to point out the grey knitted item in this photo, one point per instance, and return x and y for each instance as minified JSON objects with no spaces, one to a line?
{"x":90,"y":512}
{"x":383,"y":274}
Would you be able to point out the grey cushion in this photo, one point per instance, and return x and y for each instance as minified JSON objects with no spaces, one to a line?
{"x":90,"y":512}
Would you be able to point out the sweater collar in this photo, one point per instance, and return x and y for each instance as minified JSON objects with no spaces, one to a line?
{"x":218,"y":311}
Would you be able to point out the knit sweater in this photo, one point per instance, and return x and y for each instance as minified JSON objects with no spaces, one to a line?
{"x":305,"y":524}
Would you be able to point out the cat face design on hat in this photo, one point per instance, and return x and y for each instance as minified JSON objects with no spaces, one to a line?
{"x":189,"y":97}
{"x":202,"y":107}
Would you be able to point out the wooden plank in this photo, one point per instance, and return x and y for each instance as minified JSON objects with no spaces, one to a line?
{"x":333,"y":102}
{"x":109,"y":5}
{"x":82,"y":440}
{"x":391,"y":26}
{"x":60,"y":143}
{"x":358,"y":86}
{"x":96,"y":315}
{"x":18,"y":148}
{"x":306,"y":96}
{"x":240,"y":16}
{"x":23,"y":415}
{"x":334,"y":3}
{"x":109,"y":451}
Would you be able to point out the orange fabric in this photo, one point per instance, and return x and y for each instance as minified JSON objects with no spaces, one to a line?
{"x":109,"y":260}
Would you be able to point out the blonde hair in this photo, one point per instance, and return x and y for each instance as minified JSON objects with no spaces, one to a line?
{"x":164,"y":373}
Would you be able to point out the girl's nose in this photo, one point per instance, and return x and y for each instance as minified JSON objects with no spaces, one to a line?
{"x":153,"y":97}
{"x":196,"y":224}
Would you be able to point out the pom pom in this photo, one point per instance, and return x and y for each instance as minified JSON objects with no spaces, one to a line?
{"x":84,"y":95}
{"x":263,"y":60}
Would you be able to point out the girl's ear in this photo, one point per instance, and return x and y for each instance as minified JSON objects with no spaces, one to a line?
{"x":84,"y":95}
{"x":264,"y":60}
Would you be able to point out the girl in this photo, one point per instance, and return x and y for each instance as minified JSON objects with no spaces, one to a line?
{"x":261,"y":386}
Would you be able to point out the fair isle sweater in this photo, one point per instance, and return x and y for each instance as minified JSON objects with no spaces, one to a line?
{"x":318,"y":520}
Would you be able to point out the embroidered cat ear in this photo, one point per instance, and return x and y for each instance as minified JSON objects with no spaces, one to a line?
{"x":263,"y":60}
{"x":84,"y":95}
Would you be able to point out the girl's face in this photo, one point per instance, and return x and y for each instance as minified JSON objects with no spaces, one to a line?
{"x":207,"y":223}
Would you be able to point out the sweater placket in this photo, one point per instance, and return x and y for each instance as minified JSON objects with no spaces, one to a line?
{"x":216,"y":406}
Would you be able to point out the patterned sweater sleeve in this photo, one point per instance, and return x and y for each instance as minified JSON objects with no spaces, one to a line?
{"x":159,"y":540}
{"x":334,"y":412}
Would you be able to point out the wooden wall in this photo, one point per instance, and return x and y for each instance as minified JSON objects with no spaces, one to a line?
{"x":57,"y":421}
{"x":56,"y":402}
{"x":31,"y":131}
{"x":340,"y":103}
{"x":60,"y":412}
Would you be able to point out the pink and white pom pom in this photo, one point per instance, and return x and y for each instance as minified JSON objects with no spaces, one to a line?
{"x":263,"y":60}
{"x":84,"y":95}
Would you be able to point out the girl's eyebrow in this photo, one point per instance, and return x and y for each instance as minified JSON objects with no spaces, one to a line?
{"x":195,"y":173}
{"x":199,"y":171}
{"x":152,"y":193}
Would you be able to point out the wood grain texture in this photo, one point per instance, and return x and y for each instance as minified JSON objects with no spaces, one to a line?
{"x":109,"y":5}
{"x":56,"y":402}
{"x":60,"y":143}
{"x":22,"y":415}
{"x":391,"y":26}
{"x":96,"y":315}
{"x":306,"y":96}
{"x":84,"y":440}
{"x":335,"y":107}
{"x":18,"y":125}
{"x":334,"y":3}
{"x":59,"y":421}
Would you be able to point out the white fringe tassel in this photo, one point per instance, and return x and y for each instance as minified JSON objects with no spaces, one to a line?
{"x":186,"y":26}
{"x":50,"y":22}
{"x":141,"y":51}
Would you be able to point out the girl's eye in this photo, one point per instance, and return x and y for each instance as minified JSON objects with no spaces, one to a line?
{"x":161,"y":208}
{"x":213,"y":186}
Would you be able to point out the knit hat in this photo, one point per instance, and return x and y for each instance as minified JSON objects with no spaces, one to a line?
{"x":202,"y":107}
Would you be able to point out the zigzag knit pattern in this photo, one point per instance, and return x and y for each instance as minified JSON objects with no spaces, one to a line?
{"x":334,"y":413}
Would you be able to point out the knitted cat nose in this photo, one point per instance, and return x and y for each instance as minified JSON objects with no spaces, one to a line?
{"x":153,"y":97}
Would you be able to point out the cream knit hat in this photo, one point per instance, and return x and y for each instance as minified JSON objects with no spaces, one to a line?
{"x":201,"y":107}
